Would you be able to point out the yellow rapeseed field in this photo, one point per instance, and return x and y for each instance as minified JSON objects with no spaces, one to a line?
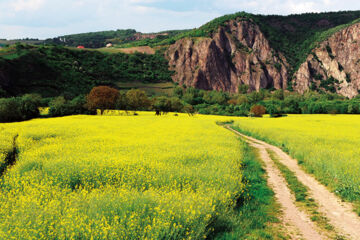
{"x":327,"y":145}
{"x":118,"y":177}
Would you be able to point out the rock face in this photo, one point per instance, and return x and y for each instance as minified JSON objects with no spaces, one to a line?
{"x":238,"y":53}
{"x":334,"y":66}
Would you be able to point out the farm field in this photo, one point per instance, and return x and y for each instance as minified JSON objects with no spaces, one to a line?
{"x":150,"y":88}
{"x":326,"y":145}
{"x":126,"y":177}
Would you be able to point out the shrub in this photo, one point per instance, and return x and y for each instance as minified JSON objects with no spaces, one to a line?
{"x":60,"y":107}
{"x":19,"y":108}
{"x":257,"y":111}
{"x":10,"y":110}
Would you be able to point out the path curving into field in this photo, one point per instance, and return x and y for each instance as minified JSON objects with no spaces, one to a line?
{"x":339,"y":213}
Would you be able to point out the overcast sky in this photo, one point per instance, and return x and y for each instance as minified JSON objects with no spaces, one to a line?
{"x":51,"y":18}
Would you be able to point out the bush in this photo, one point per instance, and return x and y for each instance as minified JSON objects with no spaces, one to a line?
{"x":60,"y":107}
{"x":19,"y":108}
{"x":257,"y":111}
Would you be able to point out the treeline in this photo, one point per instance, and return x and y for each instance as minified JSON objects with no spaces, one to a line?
{"x":276,"y":102}
{"x":55,"y":71}
{"x":189,"y":100}
{"x":20,"y":108}
{"x":106,"y":98}
{"x":92,"y":39}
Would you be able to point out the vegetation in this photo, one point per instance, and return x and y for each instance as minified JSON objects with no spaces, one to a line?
{"x":59,"y":106}
{"x":257,"y":214}
{"x":122,"y":178}
{"x":324,"y":145}
{"x":19,"y":108}
{"x":102,"y":98}
{"x":294,"y":35}
{"x":92,"y":39}
{"x":61,"y":71}
{"x":122,"y":38}
{"x":303,"y":199}
{"x":257,"y":111}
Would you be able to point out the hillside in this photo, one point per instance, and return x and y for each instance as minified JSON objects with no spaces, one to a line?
{"x":238,"y":54}
{"x":54,"y":71}
{"x":121,"y":37}
{"x":272,"y":52}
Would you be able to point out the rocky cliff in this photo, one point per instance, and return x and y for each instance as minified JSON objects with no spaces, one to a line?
{"x":237,"y":53}
{"x":334,"y":66}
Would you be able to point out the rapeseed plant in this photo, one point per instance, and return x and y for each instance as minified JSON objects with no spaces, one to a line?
{"x":118,"y":177}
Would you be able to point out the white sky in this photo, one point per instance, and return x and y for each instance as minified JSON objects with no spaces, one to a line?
{"x":51,"y":18}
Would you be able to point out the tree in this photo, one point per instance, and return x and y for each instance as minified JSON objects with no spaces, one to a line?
{"x":274,"y":109}
{"x":242,"y":99}
{"x":178,"y":91}
{"x":243,"y":88}
{"x":10,"y":110}
{"x":29,"y":106}
{"x":121,"y":103}
{"x":19,"y":108}
{"x":278,"y":94}
{"x":189,"y":110}
{"x":176,"y":104}
{"x":255,"y":97}
{"x":162,"y":104}
{"x":137,"y":99}
{"x":257,"y":110}
{"x":102,"y":97}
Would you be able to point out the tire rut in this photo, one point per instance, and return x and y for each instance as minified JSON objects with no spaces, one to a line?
{"x":10,"y":158}
{"x":339,"y":213}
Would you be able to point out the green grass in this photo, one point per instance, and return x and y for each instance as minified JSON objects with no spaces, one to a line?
{"x":257,"y":214}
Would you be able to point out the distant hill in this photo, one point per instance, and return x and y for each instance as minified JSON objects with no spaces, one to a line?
{"x":56,"y":70}
{"x":119,"y":37}
{"x":318,"y":51}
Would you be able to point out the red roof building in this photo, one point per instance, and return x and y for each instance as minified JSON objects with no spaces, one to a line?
{"x":80,"y":47}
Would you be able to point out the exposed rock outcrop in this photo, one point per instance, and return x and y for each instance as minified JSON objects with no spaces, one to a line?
{"x":333,"y":66}
{"x":238,"y":53}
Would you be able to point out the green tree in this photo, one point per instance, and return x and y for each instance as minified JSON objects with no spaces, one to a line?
{"x":243,"y":89}
{"x":162,"y":104}
{"x":178,"y":91}
{"x":137,"y":99}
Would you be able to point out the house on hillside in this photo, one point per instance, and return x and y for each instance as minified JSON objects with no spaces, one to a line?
{"x":80,"y":47}
{"x":109,"y":45}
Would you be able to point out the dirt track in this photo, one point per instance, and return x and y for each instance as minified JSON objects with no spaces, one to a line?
{"x":340,"y":214}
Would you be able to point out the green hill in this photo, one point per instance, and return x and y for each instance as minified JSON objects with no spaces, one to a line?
{"x":53,"y":71}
